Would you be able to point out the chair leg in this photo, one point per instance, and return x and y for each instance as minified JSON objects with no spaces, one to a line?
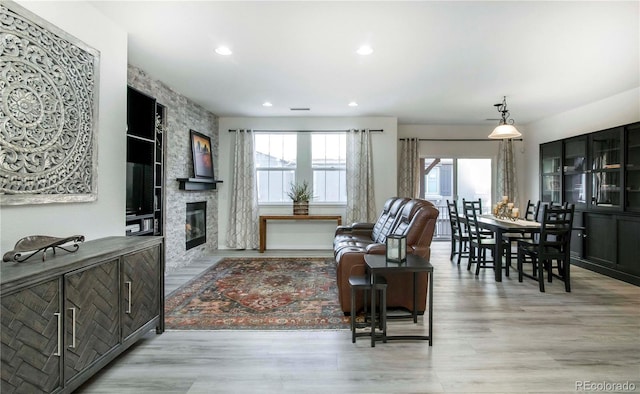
{"x":541,"y":275}
{"x":520,"y":261}
{"x":482,"y":256}
{"x":472,"y":254}
{"x":461,"y":246}
{"x":567,"y":276}
{"x":453,"y":247}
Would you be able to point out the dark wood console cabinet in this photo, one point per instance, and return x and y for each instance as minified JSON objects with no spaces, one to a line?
{"x":599,"y":173}
{"x":67,"y":317}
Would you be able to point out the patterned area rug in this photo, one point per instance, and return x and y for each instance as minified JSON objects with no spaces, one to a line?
{"x":260,"y":294}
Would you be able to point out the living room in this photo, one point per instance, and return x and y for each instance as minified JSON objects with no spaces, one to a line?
{"x":105,"y":216}
{"x":617,"y":108}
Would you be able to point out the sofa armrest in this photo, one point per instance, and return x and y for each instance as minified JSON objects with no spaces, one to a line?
{"x":362,"y":226}
{"x":376,"y":249}
{"x":355,"y":228}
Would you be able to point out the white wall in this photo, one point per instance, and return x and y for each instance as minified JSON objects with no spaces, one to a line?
{"x":313,"y":235}
{"x":105,"y":216}
{"x":466,"y":149}
{"x":617,"y":110}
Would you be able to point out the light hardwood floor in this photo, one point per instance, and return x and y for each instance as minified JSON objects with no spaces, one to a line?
{"x":488,"y":338}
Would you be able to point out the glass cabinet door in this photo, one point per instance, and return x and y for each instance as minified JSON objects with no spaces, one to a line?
{"x":632,"y":184}
{"x":575,"y":171}
{"x":550,"y":159}
{"x":606,"y":159}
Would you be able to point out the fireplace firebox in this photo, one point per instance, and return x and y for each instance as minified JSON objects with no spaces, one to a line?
{"x":196,"y":224}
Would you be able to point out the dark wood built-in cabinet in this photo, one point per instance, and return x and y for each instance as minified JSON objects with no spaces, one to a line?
{"x":599,"y":172}
{"x":145,"y":164}
{"x":550,"y":165}
{"x":574,"y":172}
{"x":632,"y":181}
{"x":66,"y":318}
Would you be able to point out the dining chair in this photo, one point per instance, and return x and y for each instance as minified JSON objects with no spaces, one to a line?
{"x":459,"y":235}
{"x":553,"y":244}
{"x":531,"y":213}
{"x":542,"y":204}
{"x":479,"y":243}
{"x":477,"y":206}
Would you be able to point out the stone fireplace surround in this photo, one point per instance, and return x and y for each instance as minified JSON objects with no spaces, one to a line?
{"x":181,"y":115}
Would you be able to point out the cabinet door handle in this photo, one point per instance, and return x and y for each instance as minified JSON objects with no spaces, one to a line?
{"x":73,"y":328}
{"x":58,"y":352}
{"x":128,"y":283}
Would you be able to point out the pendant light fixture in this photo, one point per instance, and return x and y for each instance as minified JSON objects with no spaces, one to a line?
{"x":505,"y":129}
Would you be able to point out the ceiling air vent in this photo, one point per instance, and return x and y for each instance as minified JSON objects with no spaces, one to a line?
{"x":300,"y":109}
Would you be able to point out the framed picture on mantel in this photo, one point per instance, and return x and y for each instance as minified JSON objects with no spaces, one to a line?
{"x":201,"y":155}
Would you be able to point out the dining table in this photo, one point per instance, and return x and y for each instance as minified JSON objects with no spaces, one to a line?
{"x":501,"y":226}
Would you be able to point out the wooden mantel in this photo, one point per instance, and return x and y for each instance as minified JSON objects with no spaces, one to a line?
{"x":196,"y":184}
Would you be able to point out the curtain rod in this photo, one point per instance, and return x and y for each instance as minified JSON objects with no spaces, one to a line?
{"x":304,"y":131}
{"x":459,"y":139}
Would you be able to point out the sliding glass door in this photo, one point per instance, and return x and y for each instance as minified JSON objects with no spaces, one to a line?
{"x":474,"y":182}
{"x":451,"y":179}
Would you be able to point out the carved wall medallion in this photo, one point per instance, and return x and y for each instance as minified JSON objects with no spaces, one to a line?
{"x":48,"y":112}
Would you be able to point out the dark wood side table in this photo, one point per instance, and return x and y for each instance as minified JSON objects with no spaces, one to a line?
{"x":377,"y":265}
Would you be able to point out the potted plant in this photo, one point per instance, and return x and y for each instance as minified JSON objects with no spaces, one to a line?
{"x":300,"y":193}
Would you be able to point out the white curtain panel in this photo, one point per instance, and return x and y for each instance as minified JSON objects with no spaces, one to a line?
{"x":242,"y":232}
{"x":361,"y":206}
{"x":507,"y":184}
{"x":408,"y":168}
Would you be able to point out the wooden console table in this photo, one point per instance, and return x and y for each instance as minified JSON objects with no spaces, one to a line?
{"x":264,"y":218}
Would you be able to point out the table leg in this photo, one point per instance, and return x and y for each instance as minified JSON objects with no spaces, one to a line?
{"x":373,"y":310}
{"x":497,"y":256}
{"x":430,"y":285}
{"x":415,"y":297}
{"x":263,"y":235}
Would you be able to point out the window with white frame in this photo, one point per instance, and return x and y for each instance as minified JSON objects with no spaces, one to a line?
{"x":283,"y":158}
{"x":276,"y":163}
{"x":329,"y":166}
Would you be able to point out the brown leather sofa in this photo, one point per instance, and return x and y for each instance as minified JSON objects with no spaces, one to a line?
{"x":414,"y":218}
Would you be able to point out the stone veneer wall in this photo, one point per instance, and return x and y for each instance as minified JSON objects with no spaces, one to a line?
{"x":181,"y":115}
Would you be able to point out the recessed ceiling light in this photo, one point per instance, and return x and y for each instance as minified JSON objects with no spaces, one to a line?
{"x":364,"y":50}
{"x":267,"y":104}
{"x":224,"y":51}
{"x":353,"y":104}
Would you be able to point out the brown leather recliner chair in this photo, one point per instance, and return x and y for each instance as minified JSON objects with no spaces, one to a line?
{"x":414,"y":218}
